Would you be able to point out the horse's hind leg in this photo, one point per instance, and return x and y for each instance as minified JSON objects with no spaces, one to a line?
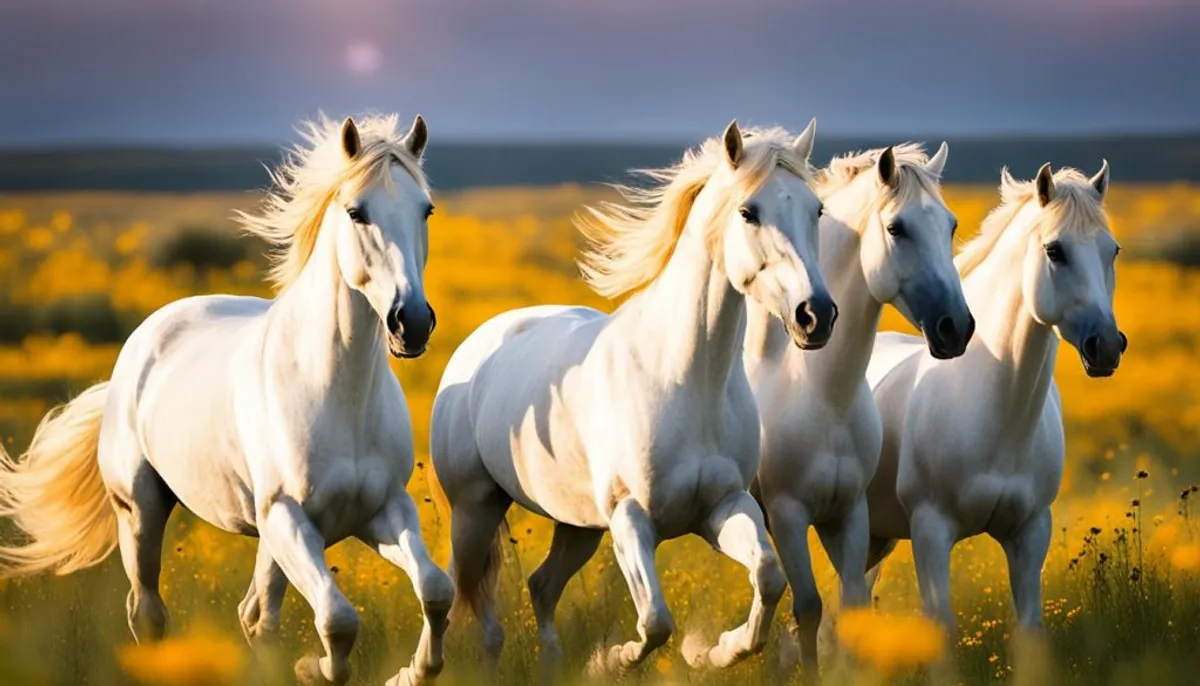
{"x":259,"y":610}
{"x":736,"y":528}
{"x":634,"y":540}
{"x":570,"y":549}
{"x":395,"y":533}
{"x":475,"y":560}
{"x":142,"y":513}
{"x":299,"y":549}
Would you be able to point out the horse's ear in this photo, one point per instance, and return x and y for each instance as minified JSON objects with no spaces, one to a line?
{"x":417,"y":137}
{"x":733,"y":144}
{"x":803,"y":145}
{"x":351,"y":144}
{"x":1100,"y":180}
{"x":937,"y":163}
{"x":886,"y":166}
{"x":1045,"y":185}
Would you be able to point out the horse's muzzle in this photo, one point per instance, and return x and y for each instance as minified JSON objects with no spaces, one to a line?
{"x":409,"y":329}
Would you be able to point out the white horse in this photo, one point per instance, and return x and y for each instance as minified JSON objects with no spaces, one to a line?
{"x":272,"y":418}
{"x":975,"y":445}
{"x":886,"y":237}
{"x":640,"y":422}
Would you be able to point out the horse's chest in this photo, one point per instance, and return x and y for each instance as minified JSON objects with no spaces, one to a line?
{"x":342,"y":494}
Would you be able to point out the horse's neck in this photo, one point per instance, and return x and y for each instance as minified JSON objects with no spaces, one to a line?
{"x":835,"y":372}
{"x":689,"y":322}
{"x":1020,"y":351}
{"x":330,"y":334}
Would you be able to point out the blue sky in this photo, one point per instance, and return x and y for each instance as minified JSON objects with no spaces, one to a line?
{"x":205,"y":71}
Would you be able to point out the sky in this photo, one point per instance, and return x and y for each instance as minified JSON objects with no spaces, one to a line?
{"x":241,"y":71}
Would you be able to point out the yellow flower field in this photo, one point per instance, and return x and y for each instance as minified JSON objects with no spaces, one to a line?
{"x":79,"y":270}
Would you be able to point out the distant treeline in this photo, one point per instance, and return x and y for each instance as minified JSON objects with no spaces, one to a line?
{"x":454,"y":165}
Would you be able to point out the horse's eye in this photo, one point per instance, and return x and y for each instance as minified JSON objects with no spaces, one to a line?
{"x":429,"y":211}
{"x":1055,"y":252}
{"x":749,"y":213}
{"x":357,"y":215}
{"x":954,"y":228}
{"x":896,"y":228}
{"x":821,"y":211}
{"x":1118,"y":252}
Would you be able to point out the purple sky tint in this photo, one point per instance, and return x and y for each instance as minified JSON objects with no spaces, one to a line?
{"x":197,"y":71}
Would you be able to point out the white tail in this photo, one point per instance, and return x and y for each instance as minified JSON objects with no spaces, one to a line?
{"x":55,"y":493}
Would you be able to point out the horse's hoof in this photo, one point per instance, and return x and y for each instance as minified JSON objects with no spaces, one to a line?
{"x":404,"y":678}
{"x":695,"y":651}
{"x":308,"y":672}
{"x":604,"y":662}
{"x":789,"y":653}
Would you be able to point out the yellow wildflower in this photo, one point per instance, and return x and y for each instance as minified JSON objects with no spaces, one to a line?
{"x":890,"y":641}
{"x":184,"y":661}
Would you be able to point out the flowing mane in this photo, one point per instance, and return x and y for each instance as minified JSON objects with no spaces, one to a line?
{"x":910,"y":163}
{"x":308,"y":179}
{"x":629,"y":243}
{"x":1076,"y":208}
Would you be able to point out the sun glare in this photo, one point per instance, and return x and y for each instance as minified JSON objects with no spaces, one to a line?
{"x":363,"y":58}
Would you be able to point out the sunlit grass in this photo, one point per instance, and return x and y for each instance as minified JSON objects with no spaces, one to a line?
{"x":1122,"y":582}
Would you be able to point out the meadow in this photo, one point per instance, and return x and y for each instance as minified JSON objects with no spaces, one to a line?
{"x":79,"y":270}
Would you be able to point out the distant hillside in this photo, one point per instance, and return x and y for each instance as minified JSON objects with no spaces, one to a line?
{"x":454,"y":165}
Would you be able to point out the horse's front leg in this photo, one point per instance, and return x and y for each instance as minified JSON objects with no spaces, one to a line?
{"x":395,"y":533}
{"x":298,"y":547}
{"x":635,"y":540}
{"x":259,"y":610}
{"x":735,"y":527}
{"x":1026,"y":554}
{"x":932,"y":539}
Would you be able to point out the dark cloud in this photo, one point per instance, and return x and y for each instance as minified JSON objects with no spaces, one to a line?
{"x":228,"y":70}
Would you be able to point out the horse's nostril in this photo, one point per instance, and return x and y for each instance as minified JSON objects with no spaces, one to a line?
{"x":395,"y":316}
{"x":432,"y":318}
{"x":970,"y":326}
{"x":1124,"y":342}
{"x":1091,"y":347}
{"x":945,"y":329}
{"x":834,"y":315}
{"x":804,"y":317}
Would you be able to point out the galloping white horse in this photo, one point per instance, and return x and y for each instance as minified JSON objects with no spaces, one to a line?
{"x":975,"y":445}
{"x":641,"y":422}
{"x":272,"y":418}
{"x":886,"y":237}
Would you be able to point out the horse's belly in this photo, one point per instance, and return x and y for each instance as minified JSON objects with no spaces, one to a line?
{"x":219,"y":496}
{"x":190,"y":440}
{"x":554,"y":484}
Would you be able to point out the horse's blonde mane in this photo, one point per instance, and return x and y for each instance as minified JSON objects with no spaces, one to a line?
{"x":910,"y":165}
{"x":309,"y":179}
{"x":1076,"y":209}
{"x":630,"y":243}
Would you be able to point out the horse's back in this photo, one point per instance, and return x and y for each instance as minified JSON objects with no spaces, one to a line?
{"x":173,"y":388}
{"x":891,"y":349}
{"x":501,"y":329}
